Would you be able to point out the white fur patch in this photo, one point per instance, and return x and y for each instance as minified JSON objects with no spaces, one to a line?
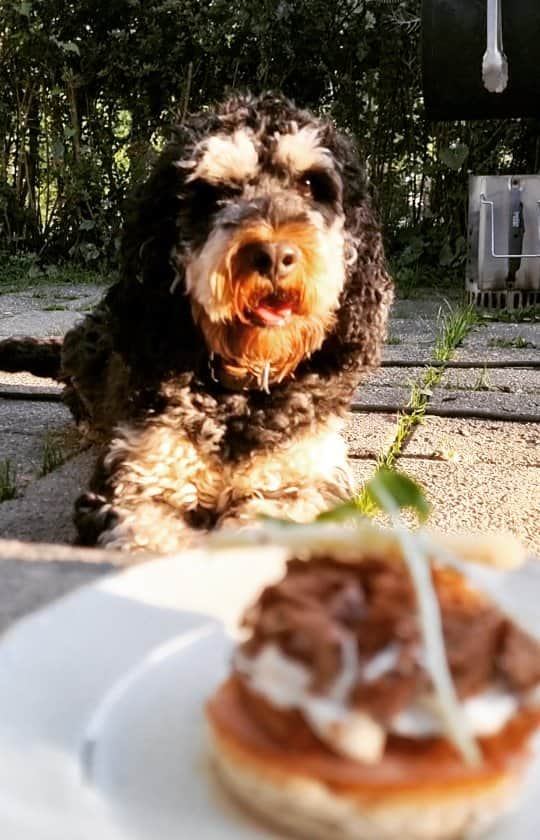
{"x":301,"y":150}
{"x":163,"y":476}
{"x":331,"y":248}
{"x":226,"y":158}
{"x":203,"y":281}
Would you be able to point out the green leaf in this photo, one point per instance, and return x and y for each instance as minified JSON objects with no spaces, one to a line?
{"x":404,"y":492}
{"x":454,"y":156}
{"x":340,"y":513}
{"x":25,"y":8}
{"x":70,"y":46}
{"x":446,"y":256}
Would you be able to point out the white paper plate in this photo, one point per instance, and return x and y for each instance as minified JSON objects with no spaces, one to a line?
{"x":102,"y":730}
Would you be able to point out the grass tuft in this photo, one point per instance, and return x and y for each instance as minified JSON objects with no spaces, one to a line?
{"x":8,"y":480}
{"x":52,"y":456}
{"x":517,"y":343}
{"x":512,"y":316}
{"x":455,"y":325}
{"x":483,"y":383}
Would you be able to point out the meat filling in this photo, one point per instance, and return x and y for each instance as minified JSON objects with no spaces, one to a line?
{"x":319,"y":605}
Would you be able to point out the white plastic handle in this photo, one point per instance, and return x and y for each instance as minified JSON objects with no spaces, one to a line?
{"x":494,"y":63}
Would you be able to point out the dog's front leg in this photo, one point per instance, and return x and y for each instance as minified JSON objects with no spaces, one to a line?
{"x":298,"y":482}
{"x":149,"y":488}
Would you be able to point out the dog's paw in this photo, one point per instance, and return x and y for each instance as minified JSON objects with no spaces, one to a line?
{"x":94,"y":517}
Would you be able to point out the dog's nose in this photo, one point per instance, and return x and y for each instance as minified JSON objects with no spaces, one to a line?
{"x":275,"y":260}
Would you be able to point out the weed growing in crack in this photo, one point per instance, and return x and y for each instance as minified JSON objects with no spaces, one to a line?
{"x":8,"y":480}
{"x":455,"y":327}
{"x":52,"y":456}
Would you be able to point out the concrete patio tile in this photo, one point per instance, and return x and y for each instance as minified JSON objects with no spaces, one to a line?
{"x":393,"y":377}
{"x":44,"y":513}
{"x":474,"y":441}
{"x":368,"y":435}
{"x":363,"y":470}
{"x":479,"y":380}
{"x":494,"y":402}
{"x":481,"y":497}
{"x":484,"y":342}
{"x":21,"y":381}
{"x":373,"y":395}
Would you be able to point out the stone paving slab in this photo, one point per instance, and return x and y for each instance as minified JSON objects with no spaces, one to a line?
{"x":410,"y":339}
{"x":72,"y":297}
{"x":375,"y":396}
{"x":507,"y":380}
{"x":368,"y":435}
{"x":24,"y":453}
{"x":393,"y":377}
{"x":27,"y":586}
{"x":26,"y":428}
{"x":32,"y":575}
{"x":492,"y":402}
{"x":430,"y":303}
{"x":33,"y":323}
{"x":410,"y":353}
{"x":46,"y":310}
{"x":44,"y":513}
{"x":362,"y":470}
{"x":23,"y":381}
{"x":481,"y":497}
{"x":405,"y":330}
{"x":30,"y":417}
{"x":475,"y":441}
{"x":483,"y":343}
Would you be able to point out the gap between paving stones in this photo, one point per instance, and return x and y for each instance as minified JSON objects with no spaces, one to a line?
{"x":455,"y":327}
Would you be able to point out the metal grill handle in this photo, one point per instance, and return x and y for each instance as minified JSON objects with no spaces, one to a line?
{"x":485,"y":202}
{"x":494,"y":62}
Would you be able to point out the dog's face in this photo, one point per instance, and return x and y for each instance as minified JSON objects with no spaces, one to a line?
{"x":263,"y":242}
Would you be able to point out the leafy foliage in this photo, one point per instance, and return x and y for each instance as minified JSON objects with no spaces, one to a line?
{"x":89,"y":88}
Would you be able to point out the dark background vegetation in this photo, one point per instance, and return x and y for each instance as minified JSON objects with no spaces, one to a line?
{"x":89,"y":87}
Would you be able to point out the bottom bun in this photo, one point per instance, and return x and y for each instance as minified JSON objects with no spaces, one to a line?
{"x":308,"y":807}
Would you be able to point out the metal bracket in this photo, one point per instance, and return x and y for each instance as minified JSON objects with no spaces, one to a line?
{"x":484,"y":201}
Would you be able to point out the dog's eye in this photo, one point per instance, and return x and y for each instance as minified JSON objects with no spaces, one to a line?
{"x":319,"y":186}
{"x":205,"y":195}
{"x":209,"y":196}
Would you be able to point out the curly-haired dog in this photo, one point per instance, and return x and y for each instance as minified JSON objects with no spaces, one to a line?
{"x":220,"y":368}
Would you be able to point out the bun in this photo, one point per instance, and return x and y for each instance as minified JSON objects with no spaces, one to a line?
{"x":285,"y":788}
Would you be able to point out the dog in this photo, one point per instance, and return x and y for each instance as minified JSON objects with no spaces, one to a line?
{"x":218,"y":371}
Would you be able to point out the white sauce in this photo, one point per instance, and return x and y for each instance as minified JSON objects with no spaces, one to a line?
{"x":285,"y":683}
{"x":380,"y":664}
{"x":485,"y":713}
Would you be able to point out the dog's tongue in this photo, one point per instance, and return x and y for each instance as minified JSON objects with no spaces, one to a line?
{"x":272,"y":313}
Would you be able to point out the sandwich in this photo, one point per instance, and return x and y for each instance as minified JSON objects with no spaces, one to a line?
{"x":364,"y":703}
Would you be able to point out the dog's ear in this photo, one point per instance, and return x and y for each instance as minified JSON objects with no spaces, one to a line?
{"x":368,"y":291}
{"x":150,"y":227}
{"x":151,"y":314}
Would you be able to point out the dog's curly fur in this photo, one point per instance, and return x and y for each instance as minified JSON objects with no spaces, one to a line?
{"x":209,"y":415}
